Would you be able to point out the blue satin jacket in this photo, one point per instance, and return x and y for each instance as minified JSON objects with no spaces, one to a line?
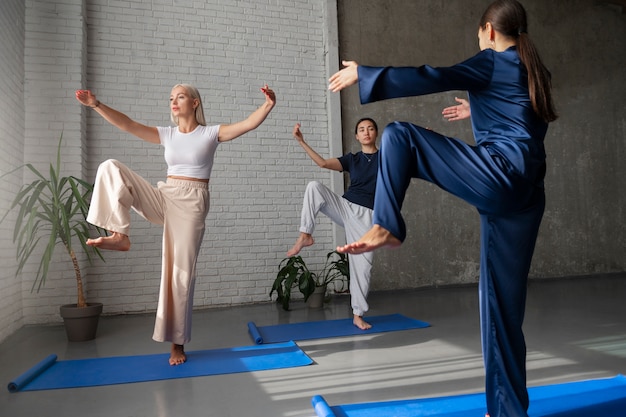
{"x":503,"y":119}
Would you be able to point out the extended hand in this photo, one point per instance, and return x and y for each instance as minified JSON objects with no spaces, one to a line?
{"x":458,"y":112}
{"x":297,"y":133}
{"x":270,"y":96}
{"x":345,"y":77}
{"x":86,"y":98}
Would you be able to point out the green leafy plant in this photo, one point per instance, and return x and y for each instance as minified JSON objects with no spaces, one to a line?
{"x":52,"y":210}
{"x":293,"y":272}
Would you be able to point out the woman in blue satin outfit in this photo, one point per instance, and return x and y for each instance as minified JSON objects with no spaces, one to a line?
{"x":501,"y":175}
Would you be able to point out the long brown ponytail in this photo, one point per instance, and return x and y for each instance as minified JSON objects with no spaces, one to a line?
{"x":509,"y":18}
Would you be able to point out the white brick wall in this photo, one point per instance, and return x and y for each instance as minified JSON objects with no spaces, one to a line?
{"x":11,"y":133}
{"x":131,"y":54}
{"x":54,"y":44}
{"x":228,"y":50}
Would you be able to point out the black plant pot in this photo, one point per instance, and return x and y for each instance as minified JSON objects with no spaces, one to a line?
{"x":81,"y":324}
{"x":316,"y":300}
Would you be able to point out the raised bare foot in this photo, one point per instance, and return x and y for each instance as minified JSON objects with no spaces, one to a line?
{"x":177,"y":356}
{"x":360,"y":323}
{"x":375,"y":238}
{"x":303,"y":241}
{"x":117,"y":241}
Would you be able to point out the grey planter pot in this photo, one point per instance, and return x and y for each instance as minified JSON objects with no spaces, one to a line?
{"x":81,"y":324}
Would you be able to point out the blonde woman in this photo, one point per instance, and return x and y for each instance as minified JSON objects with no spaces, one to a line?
{"x":180,"y":204}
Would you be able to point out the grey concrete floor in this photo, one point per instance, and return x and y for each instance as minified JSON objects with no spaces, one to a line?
{"x":575,"y":330}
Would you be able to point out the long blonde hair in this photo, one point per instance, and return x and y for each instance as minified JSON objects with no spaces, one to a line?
{"x":194,"y":94}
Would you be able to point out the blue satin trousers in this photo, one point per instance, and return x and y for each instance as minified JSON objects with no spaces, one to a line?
{"x":510,"y":209}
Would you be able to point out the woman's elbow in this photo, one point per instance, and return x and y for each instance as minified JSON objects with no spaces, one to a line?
{"x":327,"y":164}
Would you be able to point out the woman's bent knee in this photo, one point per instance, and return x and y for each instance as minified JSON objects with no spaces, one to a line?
{"x":315,"y":185}
{"x":110,"y":163}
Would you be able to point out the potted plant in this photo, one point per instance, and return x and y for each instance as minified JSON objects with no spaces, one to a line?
{"x":293,"y":272}
{"x":52,"y":210}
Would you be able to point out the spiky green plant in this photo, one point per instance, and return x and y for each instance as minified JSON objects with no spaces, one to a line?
{"x":52,"y":210}
{"x":293,"y":272}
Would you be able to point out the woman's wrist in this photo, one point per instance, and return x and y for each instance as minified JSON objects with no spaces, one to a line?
{"x":97,"y":104}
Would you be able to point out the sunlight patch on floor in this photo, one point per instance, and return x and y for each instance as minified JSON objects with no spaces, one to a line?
{"x":376,"y":369}
{"x":610,"y":345}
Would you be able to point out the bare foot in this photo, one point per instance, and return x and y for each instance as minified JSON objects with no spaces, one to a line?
{"x":177,"y":355}
{"x":360,"y":323}
{"x":117,"y":241}
{"x":375,"y":238}
{"x":303,"y":241}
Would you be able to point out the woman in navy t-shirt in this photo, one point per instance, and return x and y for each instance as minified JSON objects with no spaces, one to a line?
{"x":353,"y":211}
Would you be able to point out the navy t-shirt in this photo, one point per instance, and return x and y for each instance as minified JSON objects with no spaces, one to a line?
{"x":363,"y":169}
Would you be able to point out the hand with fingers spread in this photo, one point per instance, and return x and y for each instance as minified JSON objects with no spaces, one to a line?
{"x":459,"y":112}
{"x":344,"y":77}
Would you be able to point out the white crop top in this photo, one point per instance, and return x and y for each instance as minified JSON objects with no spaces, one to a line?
{"x":189,"y":154}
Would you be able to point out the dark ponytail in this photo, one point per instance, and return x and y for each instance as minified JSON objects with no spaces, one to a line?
{"x":509,"y":18}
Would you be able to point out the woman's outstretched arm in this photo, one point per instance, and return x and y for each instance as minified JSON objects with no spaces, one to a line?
{"x":118,"y":119}
{"x":331,"y":163}
{"x":232,"y":131}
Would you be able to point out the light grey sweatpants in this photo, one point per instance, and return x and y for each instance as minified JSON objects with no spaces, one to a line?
{"x":181,"y":207}
{"x":356,"y":220}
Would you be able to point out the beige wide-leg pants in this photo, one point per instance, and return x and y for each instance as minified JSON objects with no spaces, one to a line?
{"x":181,"y":208}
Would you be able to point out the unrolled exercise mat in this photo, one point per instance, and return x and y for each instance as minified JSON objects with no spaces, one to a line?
{"x":53,"y":374}
{"x":330,"y":328}
{"x":598,"y":397}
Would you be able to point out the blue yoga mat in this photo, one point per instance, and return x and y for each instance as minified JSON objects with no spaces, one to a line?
{"x":53,"y":374}
{"x":599,"y":397}
{"x":330,"y":328}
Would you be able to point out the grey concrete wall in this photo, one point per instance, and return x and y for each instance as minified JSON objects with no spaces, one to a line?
{"x":583,"y":44}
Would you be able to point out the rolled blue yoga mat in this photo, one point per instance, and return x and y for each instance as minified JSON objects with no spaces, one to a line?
{"x":22,"y":380}
{"x":321,"y":407}
{"x":53,"y":374}
{"x":599,"y":397}
{"x":255,"y":333}
{"x":330,"y":328}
